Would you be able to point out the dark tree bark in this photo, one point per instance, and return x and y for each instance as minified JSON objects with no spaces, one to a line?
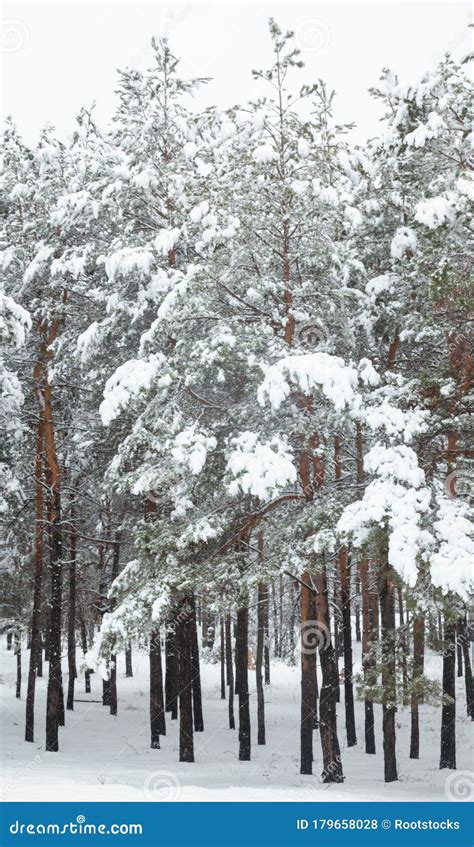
{"x":243,"y":684}
{"x":309,"y":640}
{"x":18,"y":663}
{"x":222,"y":657}
{"x":128,"y":660}
{"x":157,"y":708}
{"x":171,"y":672}
{"x":71,"y":629}
{"x":266,"y":627}
{"x":459,"y":630}
{"x":418,"y":664}
{"x":448,"y":712}
{"x":36,"y":655}
{"x":404,"y":647}
{"x":87,"y":673}
{"x":332,"y":762}
{"x":113,"y":699}
{"x":367,"y":662}
{"x":389,"y":707}
{"x":229,"y":668}
{"x":185,"y":682}
{"x":196,"y":670}
{"x":259,"y":664}
{"x":465,"y":641}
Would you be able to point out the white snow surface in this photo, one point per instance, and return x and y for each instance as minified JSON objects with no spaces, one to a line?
{"x":103,"y":758}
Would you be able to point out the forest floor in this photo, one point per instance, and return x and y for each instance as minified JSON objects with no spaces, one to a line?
{"x":106,"y":758}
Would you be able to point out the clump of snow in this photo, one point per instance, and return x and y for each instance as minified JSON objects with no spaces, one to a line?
{"x":330,"y":374}
{"x":190,"y":448}
{"x":260,"y":468}
{"x":264,"y":154}
{"x":434,"y":212}
{"x":127,"y":381}
{"x":404,"y":243}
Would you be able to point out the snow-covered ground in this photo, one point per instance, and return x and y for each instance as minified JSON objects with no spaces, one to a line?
{"x":106,"y":758}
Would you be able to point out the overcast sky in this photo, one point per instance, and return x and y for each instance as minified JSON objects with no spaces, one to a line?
{"x":58,"y":56}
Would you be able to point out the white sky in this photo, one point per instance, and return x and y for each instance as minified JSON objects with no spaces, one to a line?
{"x":58,"y":56}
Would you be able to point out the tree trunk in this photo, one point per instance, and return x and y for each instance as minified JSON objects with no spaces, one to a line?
{"x":418,"y":664}
{"x":266,"y":627}
{"x":113,"y":699}
{"x":389,"y":708}
{"x":332,"y":762}
{"x":87,"y":673}
{"x":259,"y":661}
{"x":71,"y":630}
{"x":243,"y":684}
{"x":196,"y":670}
{"x":229,"y":668}
{"x":171,"y":672}
{"x":404,"y":647}
{"x":222,"y":657}
{"x":18,"y":663}
{"x":344,"y":575}
{"x":157,"y":709}
{"x":467,"y":670}
{"x":184,"y":638}
{"x":309,"y":639}
{"x":36,"y":641}
{"x":459,"y":630}
{"x":448,"y":713}
{"x":54,"y":697}
{"x":128,"y":660}
{"x":367,"y":661}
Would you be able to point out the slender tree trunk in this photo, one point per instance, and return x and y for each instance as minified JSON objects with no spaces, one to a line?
{"x":229,"y":668}
{"x":18,"y":663}
{"x":128,"y":660}
{"x":404,"y":646}
{"x":185,"y":682}
{"x":467,"y":670}
{"x":9,"y":640}
{"x":418,"y":664}
{"x":54,"y":697}
{"x":459,"y":630}
{"x":36,"y":655}
{"x":309,"y":640}
{"x":266,"y":628}
{"x":332,"y":762}
{"x":367,"y":662}
{"x":448,"y":712}
{"x":171,"y":677}
{"x":87,"y":673}
{"x":389,"y":707}
{"x":71,"y":630}
{"x":157,"y":709}
{"x":113,"y":699}
{"x":243,"y":684}
{"x":259,"y":662}
{"x":222,"y":657}
{"x":196,"y":670}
